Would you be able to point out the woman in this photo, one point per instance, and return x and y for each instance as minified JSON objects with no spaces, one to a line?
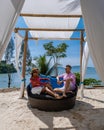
{"x":39,"y":87}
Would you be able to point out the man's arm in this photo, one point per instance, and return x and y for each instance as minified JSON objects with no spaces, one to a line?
{"x":58,"y":80}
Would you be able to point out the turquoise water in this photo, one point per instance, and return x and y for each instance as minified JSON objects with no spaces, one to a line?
{"x":16,"y":81}
{"x":90,"y":72}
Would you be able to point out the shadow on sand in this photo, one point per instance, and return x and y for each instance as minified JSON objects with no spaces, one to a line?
{"x":101,"y":101}
{"x":82,"y":117}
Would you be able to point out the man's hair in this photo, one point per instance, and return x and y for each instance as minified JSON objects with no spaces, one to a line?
{"x":69,"y":66}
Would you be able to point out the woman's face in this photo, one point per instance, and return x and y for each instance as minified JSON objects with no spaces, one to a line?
{"x":37,"y":70}
{"x":35,"y":74}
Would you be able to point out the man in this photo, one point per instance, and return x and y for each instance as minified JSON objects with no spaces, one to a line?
{"x":69,"y":81}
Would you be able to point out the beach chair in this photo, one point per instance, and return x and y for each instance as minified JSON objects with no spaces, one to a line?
{"x":46,"y":102}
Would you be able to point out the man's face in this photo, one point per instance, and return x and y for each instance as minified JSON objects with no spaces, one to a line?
{"x":67,"y":69}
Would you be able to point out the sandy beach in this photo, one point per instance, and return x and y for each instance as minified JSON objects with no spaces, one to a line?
{"x":16,"y":114}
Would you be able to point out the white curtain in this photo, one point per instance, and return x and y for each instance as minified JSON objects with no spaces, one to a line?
{"x":85,"y":60}
{"x":9,"y":11}
{"x":93,"y":13}
{"x":84,"y":66}
{"x":18,"y":43}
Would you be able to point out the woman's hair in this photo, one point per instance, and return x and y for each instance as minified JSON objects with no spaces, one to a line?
{"x":34,"y":70}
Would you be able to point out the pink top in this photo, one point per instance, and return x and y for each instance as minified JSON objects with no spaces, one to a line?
{"x":66,"y":76}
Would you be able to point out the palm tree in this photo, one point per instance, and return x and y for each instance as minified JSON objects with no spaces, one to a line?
{"x":44,"y":65}
{"x":56,"y":52}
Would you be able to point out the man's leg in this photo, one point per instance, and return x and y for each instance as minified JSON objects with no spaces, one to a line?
{"x":59,"y":90}
{"x":67,"y":87}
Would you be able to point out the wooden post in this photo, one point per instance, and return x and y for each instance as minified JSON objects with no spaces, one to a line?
{"x":81,"y":55}
{"x":24,"y":65}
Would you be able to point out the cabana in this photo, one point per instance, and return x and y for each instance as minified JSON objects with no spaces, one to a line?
{"x":56,"y":19}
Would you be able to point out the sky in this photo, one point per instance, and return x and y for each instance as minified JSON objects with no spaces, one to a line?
{"x":73,"y":51}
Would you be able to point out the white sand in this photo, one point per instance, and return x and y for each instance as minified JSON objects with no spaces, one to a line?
{"x":88,"y":113}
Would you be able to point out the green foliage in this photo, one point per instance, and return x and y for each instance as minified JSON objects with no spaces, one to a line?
{"x":55,"y":52}
{"x":9,"y":51}
{"x":88,"y":81}
{"x":91,"y":81}
{"x":6,"y":68}
{"x":77,"y":78}
{"x":43,"y":64}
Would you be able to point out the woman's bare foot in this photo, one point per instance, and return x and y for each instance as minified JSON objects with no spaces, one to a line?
{"x":64,"y":95}
{"x":58,"y":96}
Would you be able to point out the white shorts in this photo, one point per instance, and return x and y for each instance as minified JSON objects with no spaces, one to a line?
{"x":36,"y":90}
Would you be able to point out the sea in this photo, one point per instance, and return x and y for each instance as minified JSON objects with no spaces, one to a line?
{"x":16,"y":80}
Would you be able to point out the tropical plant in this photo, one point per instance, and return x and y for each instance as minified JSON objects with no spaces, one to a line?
{"x":4,"y":68}
{"x":87,"y":81}
{"x":91,"y":81}
{"x":77,"y":78}
{"x":56,"y":52}
{"x":44,"y":64}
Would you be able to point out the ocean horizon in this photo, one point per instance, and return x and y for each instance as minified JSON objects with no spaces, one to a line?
{"x":16,"y":81}
{"x":90,"y":72}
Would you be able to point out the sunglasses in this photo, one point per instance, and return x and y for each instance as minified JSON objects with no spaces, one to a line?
{"x":34,"y":72}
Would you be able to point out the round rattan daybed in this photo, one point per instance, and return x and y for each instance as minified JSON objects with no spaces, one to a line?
{"x":49,"y":103}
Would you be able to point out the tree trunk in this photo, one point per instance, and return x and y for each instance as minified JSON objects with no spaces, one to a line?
{"x":9,"y":80}
{"x":56,"y":67}
{"x":55,"y":63}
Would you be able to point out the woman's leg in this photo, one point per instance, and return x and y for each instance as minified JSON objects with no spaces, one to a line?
{"x":47,"y":90}
{"x":49,"y":86}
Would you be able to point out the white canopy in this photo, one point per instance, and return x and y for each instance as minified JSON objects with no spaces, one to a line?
{"x":55,"y":9}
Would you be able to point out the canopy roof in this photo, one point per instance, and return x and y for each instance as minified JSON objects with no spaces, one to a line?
{"x":51,"y":19}
{"x":52,"y":7}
